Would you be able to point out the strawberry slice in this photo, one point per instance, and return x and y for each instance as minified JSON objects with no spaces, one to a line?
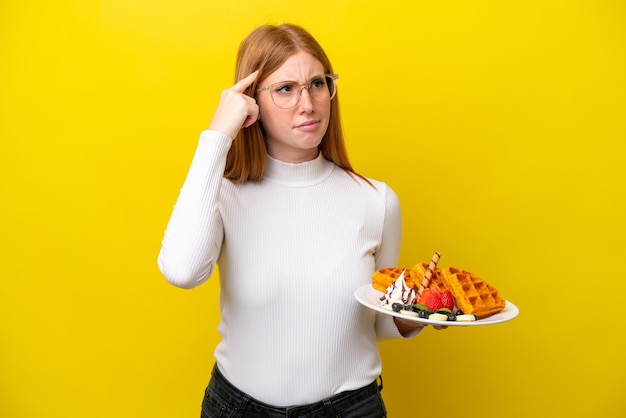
{"x":424,"y":296}
{"x":447,"y":300}
{"x":431,"y":298}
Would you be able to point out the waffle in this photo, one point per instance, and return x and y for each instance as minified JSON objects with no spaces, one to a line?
{"x":472,"y":294}
{"x":384,"y":277}
{"x":436,"y":282}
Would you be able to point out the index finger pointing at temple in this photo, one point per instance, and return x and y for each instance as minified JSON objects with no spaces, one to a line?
{"x":246,"y":82}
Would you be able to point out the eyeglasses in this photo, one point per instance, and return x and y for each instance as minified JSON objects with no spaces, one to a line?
{"x":286,"y":94}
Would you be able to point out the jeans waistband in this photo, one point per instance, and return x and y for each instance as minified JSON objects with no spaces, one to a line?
{"x":249,"y":406}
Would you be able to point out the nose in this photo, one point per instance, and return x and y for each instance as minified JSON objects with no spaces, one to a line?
{"x":306,"y":101}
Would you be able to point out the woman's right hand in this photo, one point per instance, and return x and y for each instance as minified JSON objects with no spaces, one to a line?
{"x":236,"y":110}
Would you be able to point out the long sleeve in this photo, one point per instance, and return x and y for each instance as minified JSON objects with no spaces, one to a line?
{"x":194,"y":234}
{"x":388,"y":257}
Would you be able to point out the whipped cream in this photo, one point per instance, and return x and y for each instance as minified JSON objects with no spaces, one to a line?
{"x":398,"y":292}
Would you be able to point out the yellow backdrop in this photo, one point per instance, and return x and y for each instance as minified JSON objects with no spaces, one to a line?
{"x":500,"y":124}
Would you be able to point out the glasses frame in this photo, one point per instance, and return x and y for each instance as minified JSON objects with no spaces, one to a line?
{"x":307,"y":86}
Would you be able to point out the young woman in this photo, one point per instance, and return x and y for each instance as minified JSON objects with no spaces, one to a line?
{"x":271,"y":198}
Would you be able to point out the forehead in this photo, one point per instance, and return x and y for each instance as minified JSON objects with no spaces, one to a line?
{"x":300,"y":66}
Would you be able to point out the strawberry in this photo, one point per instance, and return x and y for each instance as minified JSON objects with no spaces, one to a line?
{"x":447,"y":300}
{"x":431,"y":298}
{"x":424,"y":296}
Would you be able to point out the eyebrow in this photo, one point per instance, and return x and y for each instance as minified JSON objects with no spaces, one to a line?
{"x":297,"y":82}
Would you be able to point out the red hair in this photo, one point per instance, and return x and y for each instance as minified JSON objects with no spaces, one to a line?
{"x":266,"y":49}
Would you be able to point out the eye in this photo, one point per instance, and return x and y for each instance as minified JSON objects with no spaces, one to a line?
{"x":318,"y":83}
{"x":285,"y":88}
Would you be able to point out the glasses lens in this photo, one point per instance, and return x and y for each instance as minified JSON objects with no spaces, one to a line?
{"x":287,"y":95}
{"x":322,"y":89}
{"x":330,"y":81}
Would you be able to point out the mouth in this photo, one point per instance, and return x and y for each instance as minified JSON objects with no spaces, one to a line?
{"x":308,"y":123}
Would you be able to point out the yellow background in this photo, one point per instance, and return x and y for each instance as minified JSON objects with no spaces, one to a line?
{"x":500,"y":124}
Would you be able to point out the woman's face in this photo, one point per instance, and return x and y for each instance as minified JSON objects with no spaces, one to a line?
{"x":294,"y":134}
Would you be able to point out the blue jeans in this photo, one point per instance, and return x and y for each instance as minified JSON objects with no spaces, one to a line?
{"x":223,"y":400}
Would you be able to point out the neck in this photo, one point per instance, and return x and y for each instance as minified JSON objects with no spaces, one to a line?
{"x":293,"y":156}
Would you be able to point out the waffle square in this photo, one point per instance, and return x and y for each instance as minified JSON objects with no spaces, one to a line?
{"x":436,"y":282}
{"x":472,"y":294}
{"x":384,"y":277}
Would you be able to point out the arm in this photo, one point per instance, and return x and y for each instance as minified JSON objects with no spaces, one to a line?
{"x":387,"y":256}
{"x":387,"y":326}
{"x":194,"y":235}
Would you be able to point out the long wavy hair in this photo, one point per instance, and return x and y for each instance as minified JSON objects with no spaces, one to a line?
{"x":266,"y":49}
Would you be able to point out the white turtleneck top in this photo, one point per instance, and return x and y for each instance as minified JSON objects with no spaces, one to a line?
{"x":291,"y":250}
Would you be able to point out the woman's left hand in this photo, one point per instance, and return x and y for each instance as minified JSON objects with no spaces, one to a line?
{"x":407,"y":327}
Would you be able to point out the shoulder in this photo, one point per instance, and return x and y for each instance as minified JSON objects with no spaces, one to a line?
{"x":388,"y":196}
{"x":379,"y":187}
{"x":375,"y":189}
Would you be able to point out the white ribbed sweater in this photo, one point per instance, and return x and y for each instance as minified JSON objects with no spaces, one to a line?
{"x":291,"y":251}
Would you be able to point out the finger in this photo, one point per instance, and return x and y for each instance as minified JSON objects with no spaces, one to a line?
{"x":251,"y":117}
{"x":244,"y":83}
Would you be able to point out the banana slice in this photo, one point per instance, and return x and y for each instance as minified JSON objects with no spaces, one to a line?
{"x":438,"y":317}
{"x":465,"y":318}
{"x":409,"y":313}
